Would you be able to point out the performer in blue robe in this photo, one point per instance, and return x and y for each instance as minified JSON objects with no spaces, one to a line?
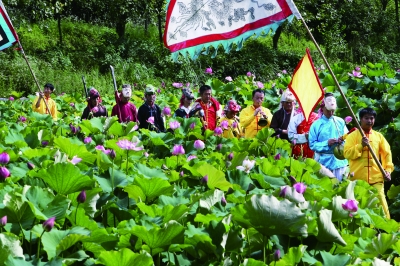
{"x":326,"y":133}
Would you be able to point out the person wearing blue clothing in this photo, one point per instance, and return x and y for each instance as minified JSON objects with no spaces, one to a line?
{"x":326,"y":133}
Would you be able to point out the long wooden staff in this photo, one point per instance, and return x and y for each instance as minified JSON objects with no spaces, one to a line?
{"x":33,"y":74}
{"x":116,"y":92}
{"x":344,"y":97}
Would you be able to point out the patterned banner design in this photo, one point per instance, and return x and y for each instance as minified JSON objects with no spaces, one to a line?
{"x":192,"y":25}
{"x":306,"y":86}
{"x":8,"y":36}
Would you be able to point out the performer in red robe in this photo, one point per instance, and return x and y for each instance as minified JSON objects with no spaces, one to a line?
{"x":298,"y":133}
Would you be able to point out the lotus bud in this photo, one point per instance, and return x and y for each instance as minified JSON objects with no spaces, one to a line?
{"x":49,"y":224}
{"x":87,"y":140}
{"x":223,"y":201}
{"x":230,"y":156}
{"x":166,"y":111}
{"x":350,"y":205}
{"x":81,"y":197}
{"x":192,"y":125}
{"x":300,"y":187}
{"x":4,"y":158}
{"x":199,"y":145}
{"x":283,"y":191}
{"x":277,"y":255}
{"x":45,"y":143}
{"x":4,"y":173}
{"x":22,"y":118}
{"x":30,"y":165}
{"x":113,"y":154}
{"x":219,"y":147}
{"x":277,"y":157}
{"x":204,"y":180}
{"x":292,"y":179}
{"x":181,"y":174}
{"x":3,"y":221}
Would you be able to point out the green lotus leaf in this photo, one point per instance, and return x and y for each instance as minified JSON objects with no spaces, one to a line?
{"x":292,"y":256}
{"x":32,"y":153}
{"x":92,"y":126}
{"x":207,"y":219}
{"x":270,"y":216}
{"x":149,"y":172}
{"x":350,"y":247}
{"x":66,"y":145}
{"x":124,"y":257}
{"x":393,"y":191}
{"x":65,"y":178}
{"x":17,"y":209}
{"x":158,"y":239}
{"x":379,"y":245}
{"x":56,"y":241}
{"x":210,"y":198}
{"x":105,"y":180}
{"x":390,"y":226}
{"x":253,"y":262}
{"x":337,"y":260}
{"x":216,"y":178}
{"x":9,"y":246}
{"x":150,"y":188}
{"x":200,"y":242}
{"x":327,"y":231}
{"x":169,"y":212}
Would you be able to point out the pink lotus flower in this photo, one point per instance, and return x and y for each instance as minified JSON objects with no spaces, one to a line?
{"x":248,"y":74}
{"x":151,"y":120}
{"x":277,"y":157}
{"x":199,"y":145}
{"x":234,"y":124}
{"x":11,"y":98}
{"x":355,"y":74}
{"x":178,"y":149}
{"x":192,"y":125}
{"x":95,"y":109}
{"x":72,"y":104}
{"x":181,"y":174}
{"x":81,"y":197}
{"x":128,"y":145}
{"x":87,"y":140}
{"x":177,"y":85}
{"x":166,"y":111}
{"x":229,"y":79}
{"x":260,"y":85}
{"x":4,"y":158}
{"x":22,"y":118}
{"x":218,"y":131}
{"x":209,"y":70}
{"x":348,"y":119}
{"x":146,"y":154}
{"x":350,"y":205}
{"x":3,"y":221}
{"x":300,"y":187}
{"x":4,"y":173}
{"x":75,"y":160}
{"x":100,"y":148}
{"x":49,"y":224}
{"x":224,"y":124}
{"x":174,"y":125}
{"x":191,"y":157}
{"x":284,"y":71}
{"x":357,"y":68}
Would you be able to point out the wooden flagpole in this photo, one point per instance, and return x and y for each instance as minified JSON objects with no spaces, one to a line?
{"x":344,"y":97}
{"x":33,"y":74}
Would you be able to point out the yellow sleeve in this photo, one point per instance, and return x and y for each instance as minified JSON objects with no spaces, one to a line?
{"x":54,"y":111}
{"x":34,"y":104}
{"x":246,"y":117}
{"x":353,"y":147}
{"x":386,"y":155}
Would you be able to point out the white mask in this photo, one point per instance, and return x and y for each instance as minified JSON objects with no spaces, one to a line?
{"x":330,"y":103}
{"x":127,"y":92}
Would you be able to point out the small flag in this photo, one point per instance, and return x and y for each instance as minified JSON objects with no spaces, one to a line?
{"x":8,"y":36}
{"x":306,"y":86}
{"x":192,"y":25}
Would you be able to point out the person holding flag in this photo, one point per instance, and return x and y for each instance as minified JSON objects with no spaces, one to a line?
{"x":41,"y":107}
{"x":360,"y":160}
{"x":326,"y":133}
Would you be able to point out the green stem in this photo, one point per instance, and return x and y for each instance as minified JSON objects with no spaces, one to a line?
{"x":112,"y":176}
{"x":76,"y":212}
{"x":39,"y":242}
{"x":23,"y":236}
{"x":264,"y":250}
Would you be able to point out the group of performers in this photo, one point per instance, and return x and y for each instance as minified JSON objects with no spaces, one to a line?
{"x":315,"y":138}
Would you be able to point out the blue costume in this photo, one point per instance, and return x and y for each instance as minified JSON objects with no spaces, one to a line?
{"x":320,"y":132}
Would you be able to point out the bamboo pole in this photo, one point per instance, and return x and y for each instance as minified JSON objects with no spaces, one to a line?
{"x":33,"y":74}
{"x":344,"y":97}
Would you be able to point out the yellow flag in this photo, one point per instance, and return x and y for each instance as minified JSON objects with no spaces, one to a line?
{"x":305,"y":85}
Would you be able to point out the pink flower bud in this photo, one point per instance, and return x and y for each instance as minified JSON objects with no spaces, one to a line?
{"x":204,"y":180}
{"x":3,"y":221}
{"x":81,"y":197}
{"x":4,"y":158}
{"x":87,"y":140}
{"x":223,"y":201}
{"x":300,"y":187}
{"x":277,"y":255}
{"x":49,"y":224}
{"x":350,"y":205}
{"x":4,"y":173}
{"x":199,"y":145}
{"x":230,"y":156}
{"x":166,"y":111}
{"x":30,"y":165}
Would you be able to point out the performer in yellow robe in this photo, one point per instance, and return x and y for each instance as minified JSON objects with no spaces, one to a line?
{"x":40,"y":107}
{"x":230,"y":122}
{"x":360,"y":159}
{"x":250,"y":115}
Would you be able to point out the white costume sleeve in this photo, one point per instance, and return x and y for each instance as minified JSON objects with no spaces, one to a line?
{"x":292,"y":129}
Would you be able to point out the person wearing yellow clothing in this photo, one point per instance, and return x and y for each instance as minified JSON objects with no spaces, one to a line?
{"x":360,"y":159}
{"x":250,"y":115}
{"x":39,"y":106}
{"x":230,"y":122}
